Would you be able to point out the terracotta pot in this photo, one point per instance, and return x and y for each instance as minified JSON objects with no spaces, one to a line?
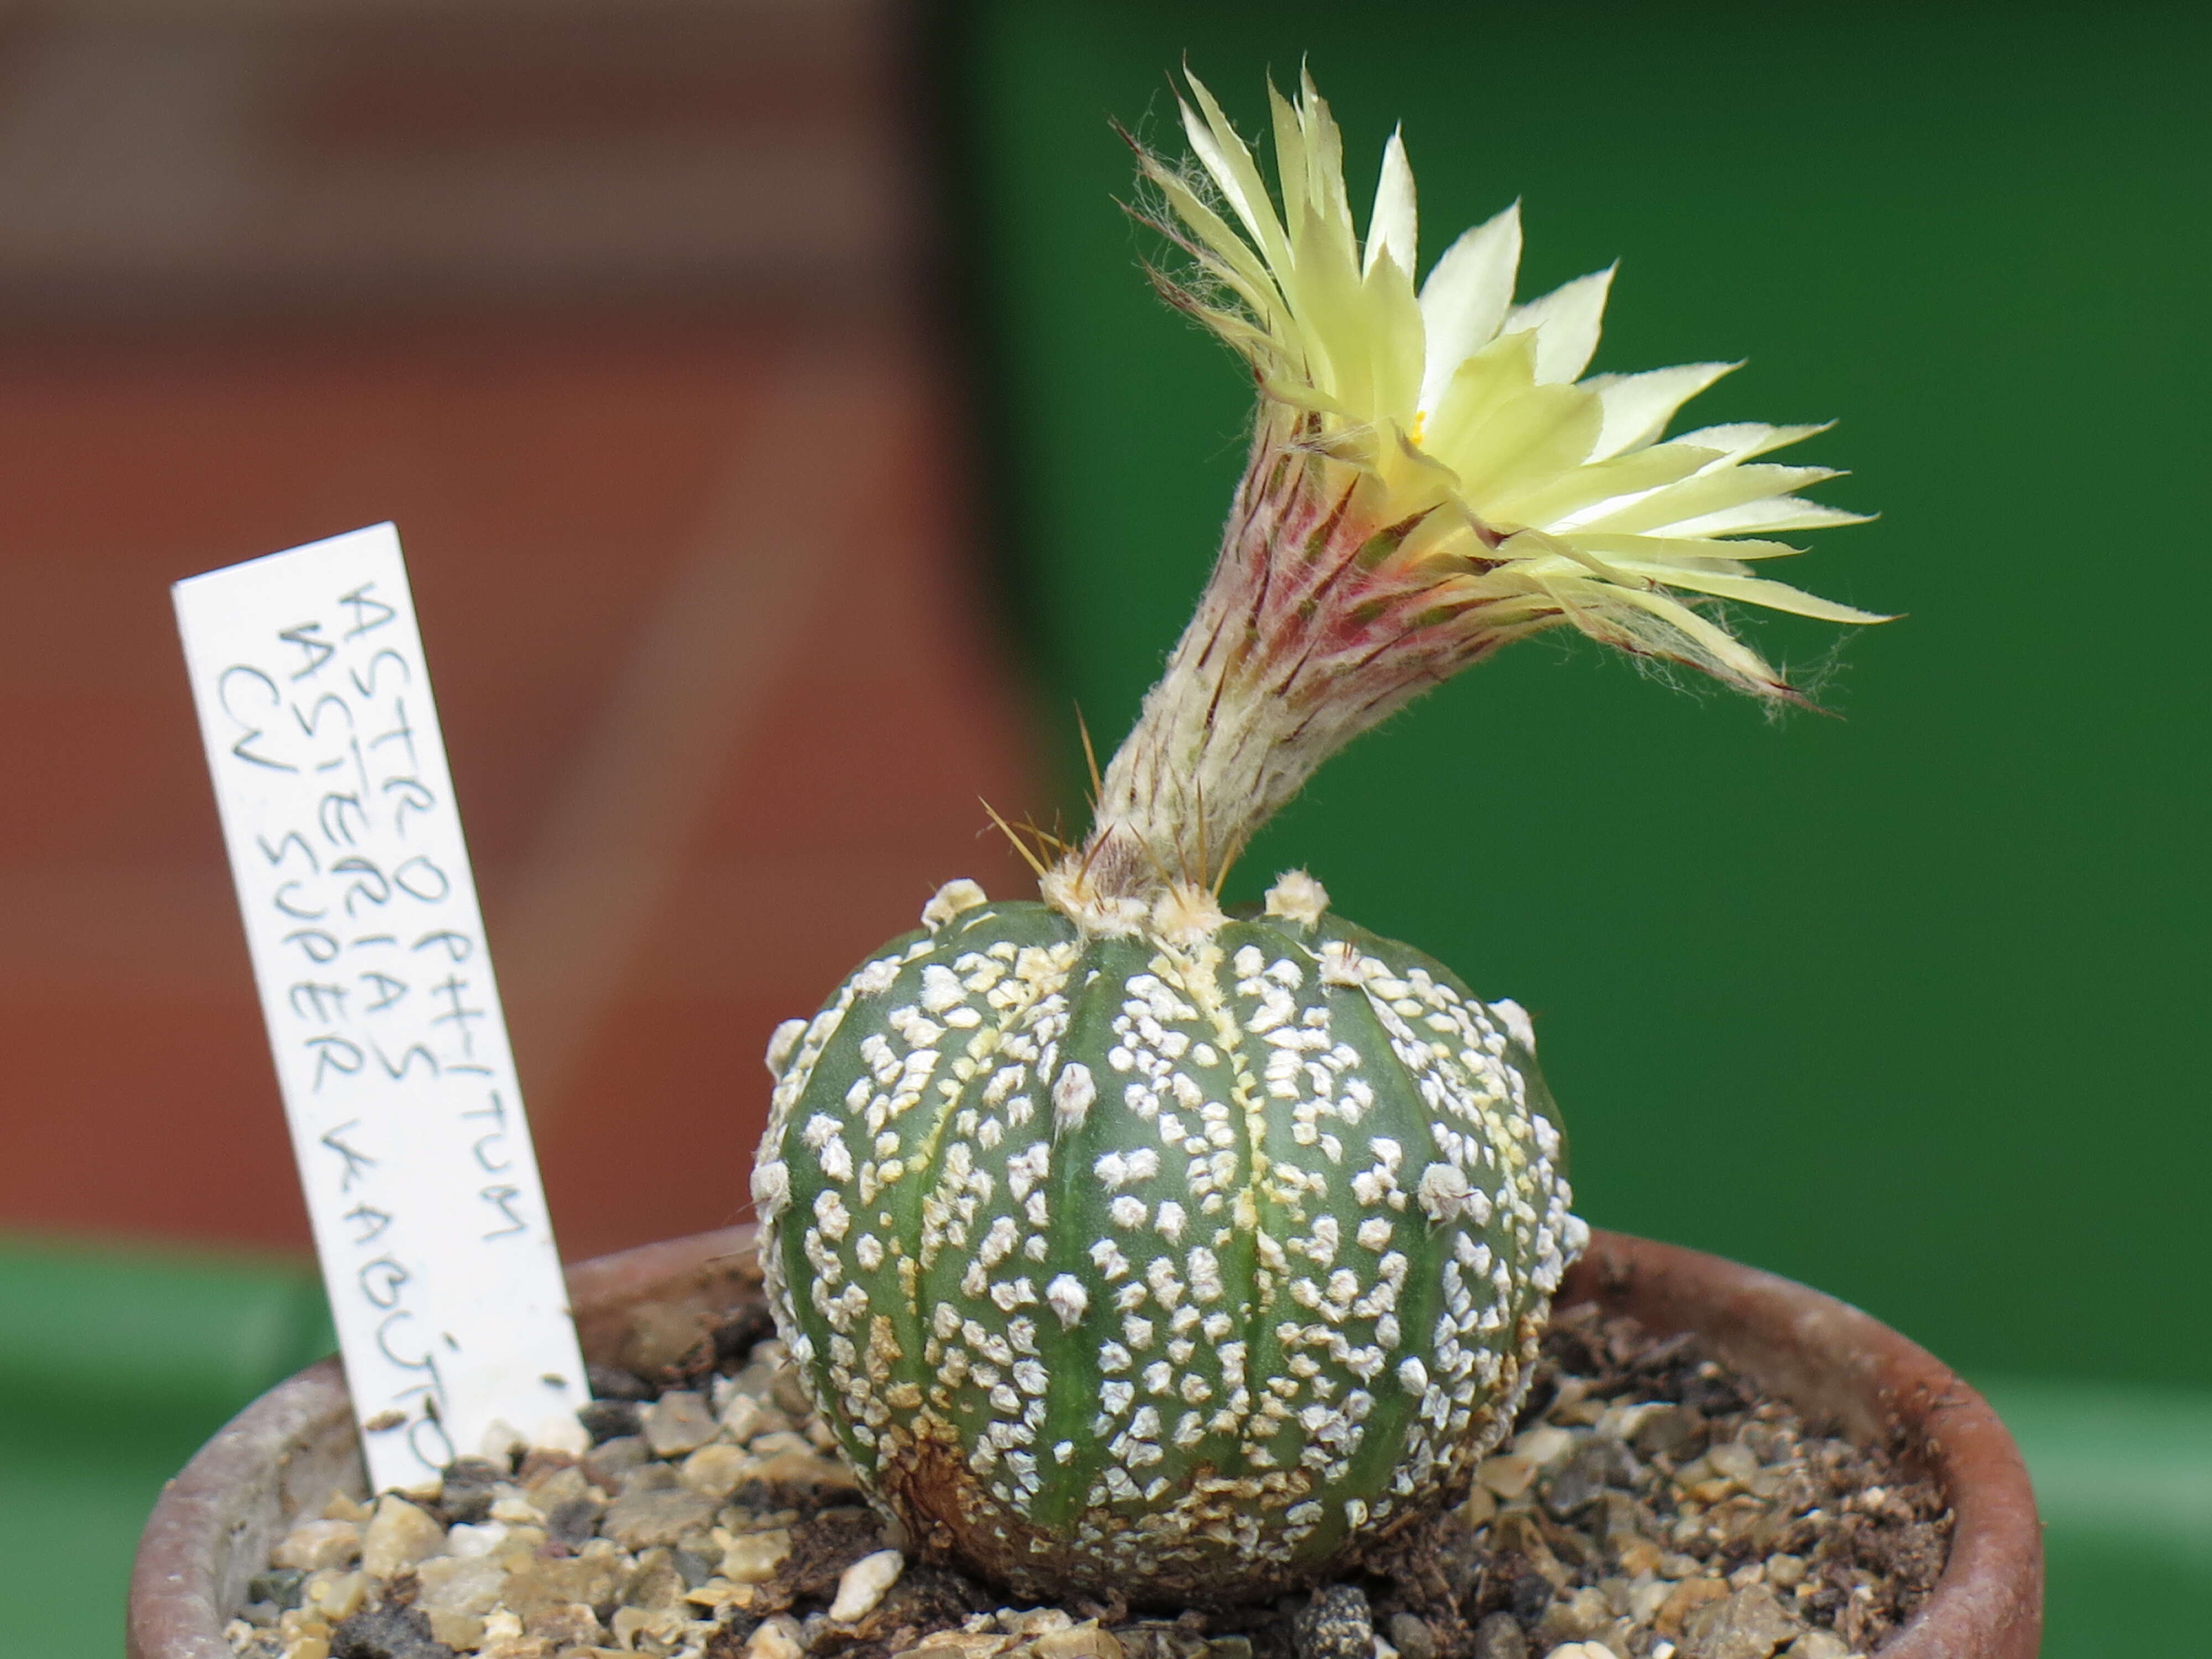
{"x":215,"y":1523}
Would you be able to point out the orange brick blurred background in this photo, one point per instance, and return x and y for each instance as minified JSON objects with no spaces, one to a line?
{"x":628,"y":326}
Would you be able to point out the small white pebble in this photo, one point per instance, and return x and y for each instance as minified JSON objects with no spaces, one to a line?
{"x":1644,"y":1600}
{"x":1034,"y":1621}
{"x":775,"y":1639}
{"x":501,"y":1625}
{"x":337,"y":1596}
{"x":314,"y":1544}
{"x":863,"y":1584}
{"x":744,"y":1417}
{"x":678,"y":1423}
{"x":1621,"y":1421}
{"x":1508,"y":1476}
{"x":467,"y":1541}
{"x":1082,"y":1641}
{"x":398,"y":1537}
{"x":1542,"y":1444}
{"x":715,"y":1469}
{"x":752,"y":1557}
{"x":1733,"y":1459}
{"x":502,"y":1440}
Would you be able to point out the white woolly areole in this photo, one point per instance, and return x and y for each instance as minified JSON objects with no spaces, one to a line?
{"x":1066,"y":1296}
{"x":1296,"y":897}
{"x":1342,"y":964}
{"x":1574,"y":1236}
{"x":1442,"y":1191}
{"x":771,"y":1187}
{"x":1073,"y":1091}
{"x":1108,"y":916}
{"x":780,"y":1043}
{"x":876,"y":978}
{"x":1515,"y":1018}
{"x":950,"y":900}
{"x":1185,"y":915}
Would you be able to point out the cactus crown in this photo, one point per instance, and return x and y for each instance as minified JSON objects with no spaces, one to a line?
{"x":1431,"y":477}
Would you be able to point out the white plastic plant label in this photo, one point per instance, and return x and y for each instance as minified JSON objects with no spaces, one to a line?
{"x":368,"y":948}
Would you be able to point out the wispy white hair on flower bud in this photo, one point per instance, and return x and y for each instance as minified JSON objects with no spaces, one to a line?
{"x":1432,"y":477}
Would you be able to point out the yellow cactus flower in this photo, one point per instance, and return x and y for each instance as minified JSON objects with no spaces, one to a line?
{"x":1432,"y":477}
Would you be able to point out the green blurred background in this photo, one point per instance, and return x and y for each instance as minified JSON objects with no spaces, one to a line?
{"x":1895,"y":1003}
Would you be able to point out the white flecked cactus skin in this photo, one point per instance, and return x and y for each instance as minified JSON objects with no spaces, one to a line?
{"x":1180,"y":1266}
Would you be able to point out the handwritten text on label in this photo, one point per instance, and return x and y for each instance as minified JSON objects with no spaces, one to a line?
{"x":377,"y":987}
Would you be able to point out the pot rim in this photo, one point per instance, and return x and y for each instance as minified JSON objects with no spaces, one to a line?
{"x":216,"y":1522}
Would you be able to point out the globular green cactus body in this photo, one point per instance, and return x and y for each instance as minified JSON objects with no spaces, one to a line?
{"x":1175,"y":1266}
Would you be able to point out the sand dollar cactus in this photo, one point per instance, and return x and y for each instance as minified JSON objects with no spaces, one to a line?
{"x":1128,"y":1244}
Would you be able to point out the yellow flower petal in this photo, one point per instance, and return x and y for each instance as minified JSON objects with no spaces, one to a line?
{"x":1549,"y":501}
{"x":1638,"y":406}
{"x":1394,"y":226}
{"x":1756,"y":590}
{"x":1709,"y":491}
{"x":1466,"y":297}
{"x":1223,"y":154}
{"x":1525,"y":443}
{"x":1567,"y":322}
{"x":1610,"y":545}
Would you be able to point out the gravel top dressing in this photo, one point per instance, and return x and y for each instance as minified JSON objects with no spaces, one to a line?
{"x":1652,"y":1505}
